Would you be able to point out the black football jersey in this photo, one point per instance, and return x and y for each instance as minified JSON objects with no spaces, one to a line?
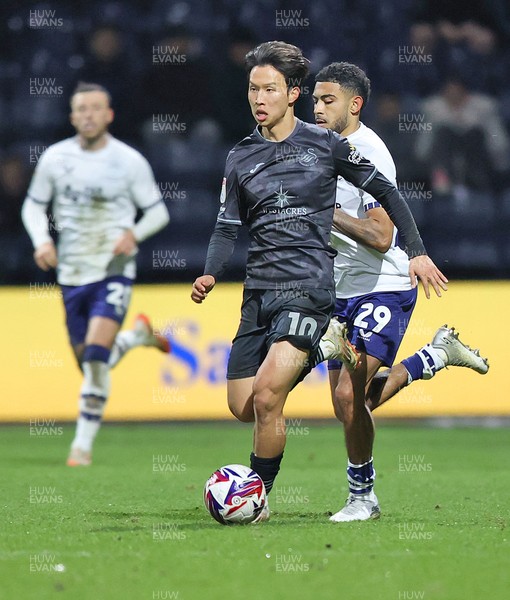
{"x":284,"y":192}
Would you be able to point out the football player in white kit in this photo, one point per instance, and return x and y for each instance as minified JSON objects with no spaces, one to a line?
{"x":375,"y":293}
{"x":95,"y":184}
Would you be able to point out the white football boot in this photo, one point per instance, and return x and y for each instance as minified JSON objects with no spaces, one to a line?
{"x":359,"y":507}
{"x":455,"y":353}
{"x":148,"y":337}
{"x":79,"y":458}
{"x":335,"y":344}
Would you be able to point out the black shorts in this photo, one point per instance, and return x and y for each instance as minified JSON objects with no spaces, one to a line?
{"x":299,"y":316}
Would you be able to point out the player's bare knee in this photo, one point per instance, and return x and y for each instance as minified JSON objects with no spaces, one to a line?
{"x":344,"y":395}
{"x":265,"y":402}
{"x":244,"y":413}
{"x":343,"y":403}
{"x":240,"y":401}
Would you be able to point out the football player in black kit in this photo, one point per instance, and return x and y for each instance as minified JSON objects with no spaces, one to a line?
{"x":280,"y":182}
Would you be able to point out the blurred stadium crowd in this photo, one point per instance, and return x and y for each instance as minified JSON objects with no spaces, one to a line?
{"x":440,"y":73}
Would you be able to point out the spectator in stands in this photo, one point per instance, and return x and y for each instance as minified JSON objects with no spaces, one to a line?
{"x":14,"y":249}
{"x":231,"y":87}
{"x":466,"y":144}
{"x":111,"y":64}
{"x":401,"y":143}
{"x":178,"y":80}
{"x":472,"y":50}
{"x":14,"y":180}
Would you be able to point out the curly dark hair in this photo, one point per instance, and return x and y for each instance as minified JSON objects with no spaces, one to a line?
{"x":348,"y":76}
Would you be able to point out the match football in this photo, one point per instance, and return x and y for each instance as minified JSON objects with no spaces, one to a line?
{"x":234,"y":494}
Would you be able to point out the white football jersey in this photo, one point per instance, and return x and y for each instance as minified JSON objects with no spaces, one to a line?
{"x":358,"y":269}
{"x":94,"y":198}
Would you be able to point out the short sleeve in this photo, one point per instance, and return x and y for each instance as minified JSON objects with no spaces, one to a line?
{"x":349,"y":163}
{"x":230,"y":211}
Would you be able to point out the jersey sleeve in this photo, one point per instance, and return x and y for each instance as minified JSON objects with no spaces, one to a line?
{"x":398,"y":210}
{"x":144,"y":190}
{"x":349,"y":163}
{"x":230,"y":197}
{"x":154,"y":219}
{"x":33,"y":215}
{"x":41,"y":188}
{"x":385,"y":165}
{"x":223,"y":239}
{"x":221,"y":246}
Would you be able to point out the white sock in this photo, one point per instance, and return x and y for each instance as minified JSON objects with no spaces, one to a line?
{"x":125,"y":341}
{"x":94,"y":393}
{"x":86,"y":432}
{"x":437,"y":356}
{"x":319,"y":355}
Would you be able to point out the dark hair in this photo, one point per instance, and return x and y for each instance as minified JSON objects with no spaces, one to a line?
{"x":285,"y":58}
{"x":348,"y":76}
{"x":90,"y":87}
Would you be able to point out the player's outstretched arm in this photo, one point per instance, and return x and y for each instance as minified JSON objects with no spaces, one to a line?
{"x":420,"y":265}
{"x":424,"y":269}
{"x":201,"y":287}
{"x":356,"y":169}
{"x":374,"y":231}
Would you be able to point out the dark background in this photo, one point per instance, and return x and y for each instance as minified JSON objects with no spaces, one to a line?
{"x":425,"y":60}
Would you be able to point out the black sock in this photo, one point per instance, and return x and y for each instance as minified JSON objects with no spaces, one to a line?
{"x":266,"y":468}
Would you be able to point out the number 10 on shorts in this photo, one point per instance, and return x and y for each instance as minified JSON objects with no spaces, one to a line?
{"x":300,"y":325}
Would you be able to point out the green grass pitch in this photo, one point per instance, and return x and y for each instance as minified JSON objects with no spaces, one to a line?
{"x":133,"y":525}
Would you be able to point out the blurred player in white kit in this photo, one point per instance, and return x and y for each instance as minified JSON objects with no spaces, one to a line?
{"x":96,"y":184}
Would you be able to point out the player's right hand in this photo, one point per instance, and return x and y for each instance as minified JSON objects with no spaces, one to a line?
{"x":46,"y":256}
{"x":201,"y":287}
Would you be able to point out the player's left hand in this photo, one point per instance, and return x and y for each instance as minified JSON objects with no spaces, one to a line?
{"x":126,"y":244}
{"x":424,"y":269}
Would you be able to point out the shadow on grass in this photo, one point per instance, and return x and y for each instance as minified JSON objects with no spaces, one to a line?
{"x":181,"y":518}
{"x":198,"y":519}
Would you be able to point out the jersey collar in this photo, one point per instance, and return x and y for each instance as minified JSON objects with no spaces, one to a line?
{"x":297,"y":127}
{"x":359,"y":132}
